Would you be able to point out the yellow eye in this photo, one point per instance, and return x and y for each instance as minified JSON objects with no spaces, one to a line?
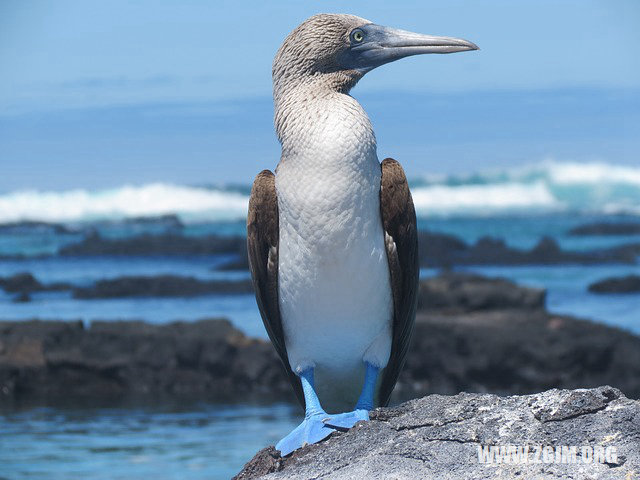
{"x":357,"y":36}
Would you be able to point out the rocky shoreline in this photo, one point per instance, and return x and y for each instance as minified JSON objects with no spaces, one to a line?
{"x":24,"y":284}
{"x":55,"y":362}
{"x":472,"y":334}
{"x":437,"y":249}
{"x":446,"y":437}
{"x":159,"y":244}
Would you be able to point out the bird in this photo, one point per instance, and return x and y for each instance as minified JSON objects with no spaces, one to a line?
{"x":332,"y":236}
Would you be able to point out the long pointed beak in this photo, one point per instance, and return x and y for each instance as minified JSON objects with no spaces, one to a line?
{"x":382,"y":45}
{"x":408,"y":43}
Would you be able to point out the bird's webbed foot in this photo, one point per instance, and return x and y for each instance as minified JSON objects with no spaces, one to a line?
{"x":344,"y":421}
{"x":311,"y":430}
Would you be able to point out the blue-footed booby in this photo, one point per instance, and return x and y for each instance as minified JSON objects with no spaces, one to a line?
{"x":332,"y":237}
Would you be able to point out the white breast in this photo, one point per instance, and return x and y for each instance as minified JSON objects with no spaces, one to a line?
{"x":334,"y":287}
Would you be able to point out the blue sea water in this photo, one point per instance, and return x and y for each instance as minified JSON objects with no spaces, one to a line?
{"x":212,"y":441}
{"x":163,"y":442}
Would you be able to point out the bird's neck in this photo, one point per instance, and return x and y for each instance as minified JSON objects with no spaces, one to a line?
{"x":316,"y":119}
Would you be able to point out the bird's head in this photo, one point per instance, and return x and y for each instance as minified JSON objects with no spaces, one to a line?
{"x":340,"y":49}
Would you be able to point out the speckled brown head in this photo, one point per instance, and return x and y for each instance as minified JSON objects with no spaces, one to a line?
{"x":337,"y":50}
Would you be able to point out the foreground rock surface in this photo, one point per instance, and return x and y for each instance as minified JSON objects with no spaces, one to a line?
{"x":437,"y":437}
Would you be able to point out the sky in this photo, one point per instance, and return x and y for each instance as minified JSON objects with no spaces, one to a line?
{"x":99,"y":94}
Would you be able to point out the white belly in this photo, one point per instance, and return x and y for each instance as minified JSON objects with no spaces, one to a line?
{"x":334,"y":286}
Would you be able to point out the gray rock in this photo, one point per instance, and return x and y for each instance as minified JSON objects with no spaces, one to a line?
{"x":169,"y":243}
{"x":464,"y":292}
{"x":440,"y":250}
{"x":628,"y":284}
{"x":20,"y":282}
{"x":438,"y":437}
{"x":56,"y":362}
{"x":516,"y":352}
{"x":25,"y":283}
{"x":161,"y":286}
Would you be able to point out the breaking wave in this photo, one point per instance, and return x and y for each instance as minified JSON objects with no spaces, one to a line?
{"x":545,"y":187}
{"x":190,"y":203}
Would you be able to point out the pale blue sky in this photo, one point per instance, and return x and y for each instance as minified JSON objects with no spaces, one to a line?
{"x":103,"y":93}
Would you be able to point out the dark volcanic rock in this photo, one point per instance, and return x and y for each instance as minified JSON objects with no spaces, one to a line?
{"x":628,"y":284}
{"x":164,"y":244}
{"x":490,"y":335}
{"x":62,"y":360}
{"x":494,"y":251}
{"x":440,"y":250}
{"x":516,"y":351}
{"x":460,"y":292}
{"x":439,"y":437}
{"x":161,"y":286}
{"x":25,"y":283}
{"x":607,"y":228}
{"x":20,"y":282}
{"x":507,"y":345}
{"x":128,"y":286}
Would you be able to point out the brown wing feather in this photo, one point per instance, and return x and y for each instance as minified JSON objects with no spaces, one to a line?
{"x":401,"y":241}
{"x":262,"y":246}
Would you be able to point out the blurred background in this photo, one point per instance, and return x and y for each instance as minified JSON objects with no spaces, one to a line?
{"x":130,"y":133}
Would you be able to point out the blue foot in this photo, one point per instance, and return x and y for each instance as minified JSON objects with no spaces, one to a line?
{"x":311,"y":430}
{"x":344,"y":421}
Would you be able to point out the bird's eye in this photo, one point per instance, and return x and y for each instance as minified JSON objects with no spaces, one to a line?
{"x":357,"y":35}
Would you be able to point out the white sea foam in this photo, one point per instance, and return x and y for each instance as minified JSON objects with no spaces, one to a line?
{"x":487,"y":198}
{"x":575,"y":173}
{"x":546,"y":186}
{"x":125,"y":202}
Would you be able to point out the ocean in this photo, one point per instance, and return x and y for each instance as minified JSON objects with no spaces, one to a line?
{"x":207,"y":440}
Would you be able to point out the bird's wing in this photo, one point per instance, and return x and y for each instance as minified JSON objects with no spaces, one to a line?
{"x":262,"y":247}
{"x":401,"y":242}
